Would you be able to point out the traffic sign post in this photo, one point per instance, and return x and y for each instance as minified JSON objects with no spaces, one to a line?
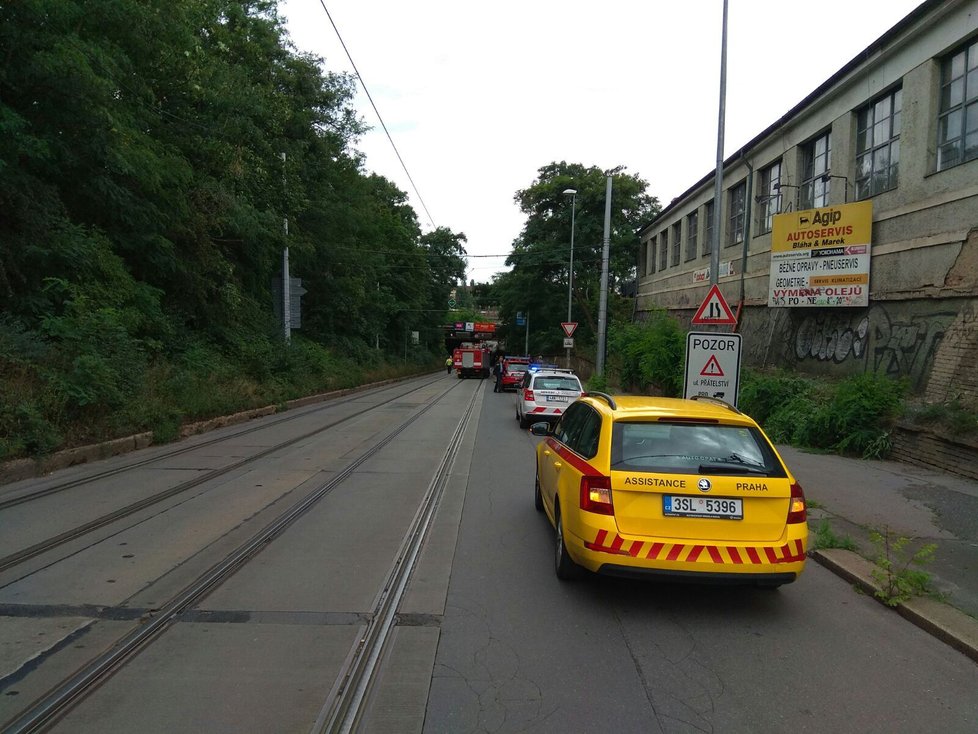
{"x":713,"y":366}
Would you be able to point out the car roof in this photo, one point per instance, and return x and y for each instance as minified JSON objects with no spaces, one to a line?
{"x":554,"y":373}
{"x":628,"y":407}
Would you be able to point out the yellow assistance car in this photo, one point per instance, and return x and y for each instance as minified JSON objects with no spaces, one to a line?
{"x":641,"y":486}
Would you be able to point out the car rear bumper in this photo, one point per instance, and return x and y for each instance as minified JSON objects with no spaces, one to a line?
{"x":696,"y":577}
{"x":605,"y":551}
{"x":534,"y":413}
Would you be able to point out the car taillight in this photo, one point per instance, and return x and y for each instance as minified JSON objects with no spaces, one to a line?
{"x":528,"y":394}
{"x":796,"y":506}
{"x":596,"y":495}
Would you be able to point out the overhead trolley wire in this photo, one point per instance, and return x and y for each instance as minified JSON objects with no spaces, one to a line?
{"x":377,"y":112}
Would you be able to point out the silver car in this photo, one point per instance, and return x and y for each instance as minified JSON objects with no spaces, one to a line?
{"x":544,"y":395}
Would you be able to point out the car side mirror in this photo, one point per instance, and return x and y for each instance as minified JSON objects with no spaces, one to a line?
{"x":542,"y":428}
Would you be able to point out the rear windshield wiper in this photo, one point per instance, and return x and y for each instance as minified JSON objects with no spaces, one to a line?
{"x":731,"y":468}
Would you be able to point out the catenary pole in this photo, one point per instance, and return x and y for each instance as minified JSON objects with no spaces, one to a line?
{"x":718,"y":184}
{"x":286,"y":290}
{"x":603,"y":299}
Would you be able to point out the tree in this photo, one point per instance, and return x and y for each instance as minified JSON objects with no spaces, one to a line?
{"x":445,"y":252}
{"x":540,"y":258}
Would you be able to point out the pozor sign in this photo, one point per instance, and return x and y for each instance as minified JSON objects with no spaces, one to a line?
{"x":820,"y":257}
{"x":713,"y":366}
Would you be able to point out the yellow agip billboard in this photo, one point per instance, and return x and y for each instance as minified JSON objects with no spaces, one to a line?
{"x":821,"y":257}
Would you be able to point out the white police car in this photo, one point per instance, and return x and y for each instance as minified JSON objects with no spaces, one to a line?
{"x":545,"y":393}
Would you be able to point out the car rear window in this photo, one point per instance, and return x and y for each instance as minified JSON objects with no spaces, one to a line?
{"x":692,"y":448}
{"x":557,"y":383}
{"x":518,"y":367}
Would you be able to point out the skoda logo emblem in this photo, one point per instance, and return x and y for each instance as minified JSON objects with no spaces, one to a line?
{"x":704,"y":485}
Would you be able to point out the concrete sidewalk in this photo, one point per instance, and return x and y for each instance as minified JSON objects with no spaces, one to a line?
{"x":854,"y":497}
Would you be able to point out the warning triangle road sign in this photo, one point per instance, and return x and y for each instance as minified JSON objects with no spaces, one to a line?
{"x":714,"y":309}
{"x":712,"y":368}
{"x":569,"y":327}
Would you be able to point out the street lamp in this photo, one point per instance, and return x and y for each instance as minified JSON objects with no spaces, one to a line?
{"x":570,"y":272}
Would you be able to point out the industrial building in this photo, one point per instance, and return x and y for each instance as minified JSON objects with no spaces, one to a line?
{"x":891,"y":137}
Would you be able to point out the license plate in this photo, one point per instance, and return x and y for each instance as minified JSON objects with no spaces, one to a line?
{"x":719,"y":508}
{"x":556,"y":399}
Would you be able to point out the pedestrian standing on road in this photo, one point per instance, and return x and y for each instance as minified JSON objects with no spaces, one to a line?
{"x":498,"y":371}
{"x":448,"y":365}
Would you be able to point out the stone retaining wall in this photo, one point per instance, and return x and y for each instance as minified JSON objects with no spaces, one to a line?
{"x":923,"y":448}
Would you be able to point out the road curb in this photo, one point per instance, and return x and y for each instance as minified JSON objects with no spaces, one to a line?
{"x":950,"y":625}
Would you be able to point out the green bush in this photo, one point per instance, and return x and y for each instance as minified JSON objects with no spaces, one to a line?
{"x":650,"y":354}
{"x":762,"y":395}
{"x":597,"y":383}
{"x":857,"y":418}
{"x":852,"y":416}
{"x":25,"y":431}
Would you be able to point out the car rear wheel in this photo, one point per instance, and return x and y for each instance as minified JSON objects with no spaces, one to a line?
{"x":537,"y":497}
{"x":564,"y":565}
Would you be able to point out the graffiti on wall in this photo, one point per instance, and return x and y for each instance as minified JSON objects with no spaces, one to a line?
{"x":883,"y":340}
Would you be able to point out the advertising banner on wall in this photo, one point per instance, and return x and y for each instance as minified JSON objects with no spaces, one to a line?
{"x":820,"y":257}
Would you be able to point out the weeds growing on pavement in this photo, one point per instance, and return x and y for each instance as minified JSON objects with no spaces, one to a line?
{"x":826,"y":538}
{"x":896,"y":566}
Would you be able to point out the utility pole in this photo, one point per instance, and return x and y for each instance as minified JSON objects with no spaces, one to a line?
{"x":718,"y":183}
{"x":603,"y":299}
{"x":286,"y":282}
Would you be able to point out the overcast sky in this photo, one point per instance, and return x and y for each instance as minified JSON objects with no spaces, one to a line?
{"x":478,"y":96}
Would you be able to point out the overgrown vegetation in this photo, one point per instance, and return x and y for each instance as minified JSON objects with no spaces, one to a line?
{"x":953,"y":417}
{"x":71,"y":394}
{"x":852,"y":416}
{"x":648,"y":356}
{"x":895,"y":569}
{"x":149,"y":153}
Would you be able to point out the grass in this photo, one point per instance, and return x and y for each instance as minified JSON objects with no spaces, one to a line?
{"x":826,"y":538}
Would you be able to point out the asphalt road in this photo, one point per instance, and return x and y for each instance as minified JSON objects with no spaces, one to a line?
{"x":521,"y":651}
{"x":486,"y":640}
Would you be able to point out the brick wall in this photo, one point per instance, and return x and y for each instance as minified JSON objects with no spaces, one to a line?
{"x":922,"y":448}
{"x":953,"y":375}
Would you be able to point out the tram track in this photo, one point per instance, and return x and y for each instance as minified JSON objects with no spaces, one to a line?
{"x":353,"y":685}
{"x":25,"y":554}
{"x":6,"y":503}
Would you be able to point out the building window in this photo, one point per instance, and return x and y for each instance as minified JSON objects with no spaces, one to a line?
{"x":769,"y":196}
{"x":816,"y":165}
{"x":738,"y":201}
{"x":707,"y":227}
{"x":650,"y":256}
{"x":957,"y":123}
{"x":663,"y":249}
{"x":677,"y":239}
{"x":691,"y":229}
{"x":878,"y":145}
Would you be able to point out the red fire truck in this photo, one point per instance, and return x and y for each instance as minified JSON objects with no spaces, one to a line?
{"x":471,"y":361}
